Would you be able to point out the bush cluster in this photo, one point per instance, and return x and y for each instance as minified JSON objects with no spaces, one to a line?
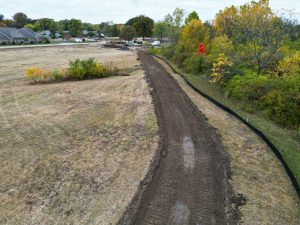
{"x":36,"y":74}
{"x":77,"y":70}
{"x":288,"y":67}
{"x":89,"y":69}
{"x":168,"y":51}
{"x":195,"y":64}
{"x":276,"y":98}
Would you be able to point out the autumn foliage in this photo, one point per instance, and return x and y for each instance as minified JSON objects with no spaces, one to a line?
{"x":246,"y":45}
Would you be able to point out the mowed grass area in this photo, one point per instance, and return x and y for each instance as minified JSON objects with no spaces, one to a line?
{"x":287,"y":141}
{"x":73,"y":158}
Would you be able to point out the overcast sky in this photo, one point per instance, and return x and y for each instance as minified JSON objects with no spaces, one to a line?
{"x":119,"y":11}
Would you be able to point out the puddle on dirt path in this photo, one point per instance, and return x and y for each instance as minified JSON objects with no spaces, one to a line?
{"x":180,"y":214}
{"x":188,"y":154}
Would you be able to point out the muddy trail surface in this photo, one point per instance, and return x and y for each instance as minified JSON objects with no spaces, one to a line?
{"x":190,"y":185}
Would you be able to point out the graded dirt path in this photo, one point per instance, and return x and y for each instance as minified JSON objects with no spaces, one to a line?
{"x":190,"y":185}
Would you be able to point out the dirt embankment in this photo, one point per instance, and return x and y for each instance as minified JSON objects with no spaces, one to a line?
{"x":190,"y":185}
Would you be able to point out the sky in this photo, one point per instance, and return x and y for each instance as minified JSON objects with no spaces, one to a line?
{"x":119,"y":11}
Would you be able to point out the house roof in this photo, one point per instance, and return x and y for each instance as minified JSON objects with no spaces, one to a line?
{"x":12,"y":33}
{"x":3,"y":37}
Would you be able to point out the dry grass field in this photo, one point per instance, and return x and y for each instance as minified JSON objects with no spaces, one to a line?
{"x":72,"y":158}
{"x":256,"y":173}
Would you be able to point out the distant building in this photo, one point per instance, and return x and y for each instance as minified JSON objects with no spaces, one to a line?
{"x":47,"y":34}
{"x":18,"y":36}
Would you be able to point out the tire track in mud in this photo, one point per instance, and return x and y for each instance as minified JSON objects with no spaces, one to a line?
{"x":190,"y":184}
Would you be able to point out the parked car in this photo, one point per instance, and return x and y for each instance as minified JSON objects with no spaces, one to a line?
{"x":79,"y":40}
{"x":137,"y":43}
{"x":155,"y":43}
{"x":128,"y":43}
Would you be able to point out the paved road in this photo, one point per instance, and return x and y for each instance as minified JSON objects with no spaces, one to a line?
{"x":190,"y":186}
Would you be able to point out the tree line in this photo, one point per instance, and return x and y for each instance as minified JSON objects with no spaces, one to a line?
{"x":74,"y":26}
{"x":139,"y":26}
{"x":250,"y":52}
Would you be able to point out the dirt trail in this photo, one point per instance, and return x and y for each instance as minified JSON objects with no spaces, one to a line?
{"x":190,"y":185}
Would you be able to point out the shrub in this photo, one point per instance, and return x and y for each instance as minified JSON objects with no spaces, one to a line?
{"x":47,"y":40}
{"x":195,"y":64}
{"x":289,"y":67}
{"x":78,"y":70}
{"x":249,"y":88}
{"x":221,"y":70}
{"x":57,"y":75}
{"x":155,"y":50}
{"x":168,"y":51}
{"x":109,"y":70}
{"x":277,"y":99}
{"x":35,"y":74}
{"x":88,"y":69}
{"x":283,"y":105}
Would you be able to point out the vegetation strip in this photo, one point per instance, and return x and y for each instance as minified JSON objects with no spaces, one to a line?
{"x":257,"y":131}
{"x":78,"y":70}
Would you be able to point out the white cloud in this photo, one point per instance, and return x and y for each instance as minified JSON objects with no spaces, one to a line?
{"x":120,"y":11}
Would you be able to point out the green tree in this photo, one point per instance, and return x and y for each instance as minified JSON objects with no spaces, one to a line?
{"x":161,"y":29}
{"x":256,"y":32}
{"x":2,"y":22}
{"x":174,"y":22}
{"x":128,"y":33}
{"x":45,"y":23}
{"x":75,"y":27}
{"x":9,"y":23}
{"x":192,"y":16}
{"x":109,"y":29}
{"x":31,"y":26}
{"x":20,"y":19}
{"x":292,"y":28}
{"x":143,"y":25}
{"x":261,"y":34}
{"x":63,"y":25}
{"x":115,"y":31}
{"x":90,"y":27}
{"x":225,"y":22}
